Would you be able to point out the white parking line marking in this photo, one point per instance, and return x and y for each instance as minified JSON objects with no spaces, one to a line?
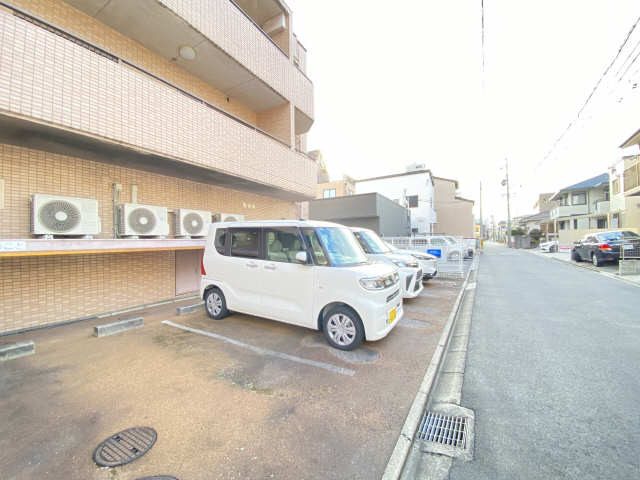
{"x":264,"y":351}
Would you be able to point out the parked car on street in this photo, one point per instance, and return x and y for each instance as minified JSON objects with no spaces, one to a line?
{"x":549,"y":247}
{"x":455,"y":245}
{"x":602,"y":247}
{"x":428,"y":263}
{"x":407,"y":265}
{"x":311,"y":274}
{"x":450,"y":250}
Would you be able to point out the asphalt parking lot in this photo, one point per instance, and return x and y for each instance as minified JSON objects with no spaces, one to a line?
{"x":242,"y":397}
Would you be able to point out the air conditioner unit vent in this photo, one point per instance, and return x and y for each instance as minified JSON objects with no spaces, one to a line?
{"x":142,"y":220}
{"x":58,"y":215}
{"x":229,"y":217}
{"x":194,"y":223}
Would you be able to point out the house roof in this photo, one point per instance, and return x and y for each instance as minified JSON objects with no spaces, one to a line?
{"x":413,"y":172}
{"x":465,"y":199}
{"x":632,"y":140}
{"x":594,"y":182}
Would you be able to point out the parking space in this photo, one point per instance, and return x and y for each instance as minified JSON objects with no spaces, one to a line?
{"x":242,"y":397}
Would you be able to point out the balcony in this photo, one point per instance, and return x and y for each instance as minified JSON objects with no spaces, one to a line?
{"x":568,"y":211}
{"x":632,"y":178}
{"x":57,"y":89}
{"x":232,"y":52}
{"x":602,"y":207}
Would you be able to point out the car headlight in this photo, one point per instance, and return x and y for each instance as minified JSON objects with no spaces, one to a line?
{"x":379,"y":283}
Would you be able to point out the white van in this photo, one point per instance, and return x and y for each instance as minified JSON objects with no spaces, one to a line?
{"x":378,"y":251}
{"x":312,"y":274}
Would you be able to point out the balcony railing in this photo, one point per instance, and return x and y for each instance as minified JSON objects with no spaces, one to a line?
{"x":632,"y":177}
{"x":52,"y":75}
{"x":568,"y":211}
{"x":602,"y":206}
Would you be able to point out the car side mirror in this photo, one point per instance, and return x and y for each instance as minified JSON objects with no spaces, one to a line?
{"x":302,"y":257}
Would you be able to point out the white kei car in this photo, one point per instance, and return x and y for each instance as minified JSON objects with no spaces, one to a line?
{"x":311,"y":274}
{"x":378,"y":251}
{"x":428,"y":262}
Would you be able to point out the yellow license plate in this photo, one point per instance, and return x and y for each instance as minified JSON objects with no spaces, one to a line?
{"x":392,"y":315}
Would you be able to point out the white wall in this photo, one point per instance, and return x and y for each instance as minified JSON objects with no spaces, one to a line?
{"x":398,"y":188}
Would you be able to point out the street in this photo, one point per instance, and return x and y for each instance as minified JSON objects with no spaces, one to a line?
{"x":552,"y":372}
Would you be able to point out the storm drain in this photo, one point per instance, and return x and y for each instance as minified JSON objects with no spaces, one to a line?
{"x":443,"y":429}
{"x":125,"y":447}
{"x":158,"y":477}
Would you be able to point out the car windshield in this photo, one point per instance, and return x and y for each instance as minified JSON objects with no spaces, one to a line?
{"x":371,"y":243}
{"x":613,"y":236}
{"x":342,"y":249}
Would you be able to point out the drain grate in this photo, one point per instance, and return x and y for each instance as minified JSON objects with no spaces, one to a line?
{"x":125,"y":447}
{"x":443,"y":429}
{"x":158,"y":477}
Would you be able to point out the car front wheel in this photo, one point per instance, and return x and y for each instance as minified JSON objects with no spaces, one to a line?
{"x":576,"y":256}
{"x":342,"y":328}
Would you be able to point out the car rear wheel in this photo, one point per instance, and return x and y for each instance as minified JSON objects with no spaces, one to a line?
{"x":216,"y":304}
{"x":342,"y":328}
{"x":594,"y":259}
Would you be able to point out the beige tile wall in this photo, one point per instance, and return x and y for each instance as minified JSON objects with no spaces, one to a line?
{"x":74,"y":21}
{"x":278,"y":120}
{"x":26,"y":171}
{"x":227,"y":27}
{"x":46,"y":77}
{"x":37,"y":291}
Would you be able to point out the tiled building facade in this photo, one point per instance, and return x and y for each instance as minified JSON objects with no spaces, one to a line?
{"x":89,"y":101}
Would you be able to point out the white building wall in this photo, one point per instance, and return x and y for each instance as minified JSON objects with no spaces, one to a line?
{"x":398,"y":188}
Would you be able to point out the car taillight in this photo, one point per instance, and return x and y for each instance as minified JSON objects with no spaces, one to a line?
{"x":605,"y":247}
{"x":202,"y":270}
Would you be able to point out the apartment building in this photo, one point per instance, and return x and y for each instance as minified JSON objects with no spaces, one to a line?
{"x":178,"y":108}
{"x":582,"y":208}
{"x":412,"y":189}
{"x":625,"y":185}
{"x":455,"y":213}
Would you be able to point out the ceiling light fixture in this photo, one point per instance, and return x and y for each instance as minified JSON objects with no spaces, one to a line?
{"x":187,"y":52}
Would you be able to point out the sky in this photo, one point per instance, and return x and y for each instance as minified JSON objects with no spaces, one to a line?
{"x":402,"y":82}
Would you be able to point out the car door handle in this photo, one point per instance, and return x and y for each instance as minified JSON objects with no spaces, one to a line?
{"x":269,"y":267}
{"x":252,"y":264}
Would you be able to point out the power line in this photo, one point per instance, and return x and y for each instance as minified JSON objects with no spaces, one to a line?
{"x":593,"y":91}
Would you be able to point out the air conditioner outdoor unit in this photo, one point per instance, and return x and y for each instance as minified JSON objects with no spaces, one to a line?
{"x":142,"y":220}
{"x":57,"y":215}
{"x":229,"y":217}
{"x":194,"y":223}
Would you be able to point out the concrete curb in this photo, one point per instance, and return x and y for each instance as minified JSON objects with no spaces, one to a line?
{"x":16,"y":350}
{"x":107,"y":329}
{"x":189,"y":308}
{"x":584,"y":267}
{"x":405,"y":440}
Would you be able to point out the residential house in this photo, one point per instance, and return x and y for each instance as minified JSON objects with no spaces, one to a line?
{"x":336,"y":188}
{"x":454,"y":213}
{"x":199,"y":105}
{"x":413,"y":189}
{"x":582,"y":208}
{"x":625,"y":187}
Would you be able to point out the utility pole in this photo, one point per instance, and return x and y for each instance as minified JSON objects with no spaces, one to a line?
{"x":506,"y":162}
{"x":481,"y":224}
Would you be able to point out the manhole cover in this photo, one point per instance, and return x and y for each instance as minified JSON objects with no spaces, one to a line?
{"x":443,"y":429}
{"x":125,"y":446}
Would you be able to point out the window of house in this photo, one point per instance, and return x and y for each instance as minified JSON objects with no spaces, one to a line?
{"x":563,"y":201}
{"x":602,"y":222}
{"x":329,"y":193}
{"x":220,"y":240}
{"x":561,"y":225}
{"x":245,"y":242}
{"x":413,"y":201}
{"x":282,"y":244}
{"x":575,"y":224}
{"x":616,"y":186}
{"x":579,"y":198}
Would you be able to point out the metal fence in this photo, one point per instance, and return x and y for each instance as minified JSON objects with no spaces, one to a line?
{"x":630,"y":249}
{"x":451,"y":257}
